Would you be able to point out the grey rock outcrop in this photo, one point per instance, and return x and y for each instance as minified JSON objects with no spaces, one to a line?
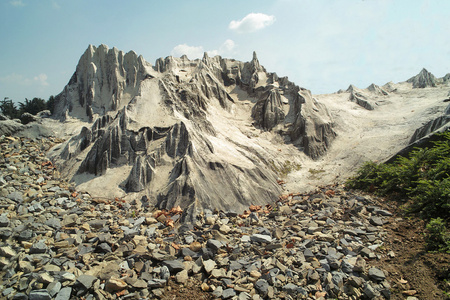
{"x":368,"y":98}
{"x":424,"y":136}
{"x":9,"y":127}
{"x":377,"y":90}
{"x":423,"y":79}
{"x":430,"y":127}
{"x":159,"y":123}
{"x":357,"y":96}
{"x":446,"y":78}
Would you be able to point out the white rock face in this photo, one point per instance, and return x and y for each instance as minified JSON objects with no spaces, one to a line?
{"x":201,"y":133}
{"x":103,"y":81}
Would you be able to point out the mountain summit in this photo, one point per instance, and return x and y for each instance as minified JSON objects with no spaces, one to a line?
{"x":196,"y":133}
{"x":423,"y":79}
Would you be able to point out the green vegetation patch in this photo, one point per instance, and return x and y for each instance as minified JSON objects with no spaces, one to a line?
{"x":423,"y":177}
{"x":315,"y":174}
{"x":285,"y":168}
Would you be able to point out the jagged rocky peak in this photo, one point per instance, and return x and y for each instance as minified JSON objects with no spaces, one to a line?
{"x":423,"y":79}
{"x":366,"y":98}
{"x":377,"y":90}
{"x":351,"y":88}
{"x":178,"y":132}
{"x":390,"y":87}
{"x":103,"y":81}
{"x":255,"y":62}
{"x":446,"y":78}
{"x":359,"y":97}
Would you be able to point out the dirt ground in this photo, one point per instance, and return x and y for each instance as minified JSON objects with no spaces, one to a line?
{"x":412,"y":271}
{"x":191,"y":290}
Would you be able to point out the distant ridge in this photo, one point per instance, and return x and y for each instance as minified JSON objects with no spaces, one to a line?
{"x":423,"y":79}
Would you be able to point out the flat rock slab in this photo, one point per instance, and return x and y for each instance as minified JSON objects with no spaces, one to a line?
{"x":174,"y":266}
{"x":39,"y":295}
{"x":377,"y":274}
{"x":261,"y":238}
{"x":86,"y":281}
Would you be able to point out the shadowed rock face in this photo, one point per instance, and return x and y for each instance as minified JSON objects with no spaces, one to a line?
{"x":377,"y":90}
{"x":172,"y":126}
{"x":439,"y":124}
{"x":423,"y":79}
{"x":357,"y":96}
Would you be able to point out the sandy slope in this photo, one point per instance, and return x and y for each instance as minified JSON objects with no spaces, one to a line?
{"x":364,"y":135}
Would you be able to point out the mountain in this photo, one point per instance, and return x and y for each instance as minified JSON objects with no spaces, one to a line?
{"x":368,"y":98}
{"x":222,"y":134}
{"x":195,"y":133}
{"x":423,"y":79}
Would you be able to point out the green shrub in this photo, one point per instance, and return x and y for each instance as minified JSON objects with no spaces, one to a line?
{"x":431,"y":198}
{"x":423,"y":176}
{"x":438,"y":237}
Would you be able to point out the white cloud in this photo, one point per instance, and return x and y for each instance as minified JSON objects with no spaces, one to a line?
{"x":12,"y":78}
{"x":20,"y":80}
{"x":192,"y":52}
{"x":213,"y":52}
{"x":252,"y":22}
{"x":41,"y":79}
{"x":228,"y":46}
{"x":17,"y":3}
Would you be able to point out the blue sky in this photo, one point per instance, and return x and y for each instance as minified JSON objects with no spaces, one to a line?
{"x":322,"y":45}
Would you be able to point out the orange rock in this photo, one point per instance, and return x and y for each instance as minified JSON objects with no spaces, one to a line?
{"x":195,"y":246}
{"x":409,"y":292}
{"x":114,"y":284}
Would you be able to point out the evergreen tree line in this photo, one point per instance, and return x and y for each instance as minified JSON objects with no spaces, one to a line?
{"x":9,"y":108}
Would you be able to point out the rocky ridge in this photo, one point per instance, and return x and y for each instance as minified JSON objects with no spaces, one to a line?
{"x":423,"y":79}
{"x":167,"y":127}
{"x":368,"y":98}
{"x":60,"y":243}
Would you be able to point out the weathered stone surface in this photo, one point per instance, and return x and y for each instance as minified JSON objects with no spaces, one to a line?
{"x":182,"y":276}
{"x":377,"y":221}
{"x":64,"y":294}
{"x":423,"y":79}
{"x":39,"y":295}
{"x":86,"y":281}
{"x":4,"y":221}
{"x":114,"y":285}
{"x":7,"y":251}
{"x":228,"y":293}
{"x":209,"y":265}
{"x":39,"y":247}
{"x":174,"y":266}
{"x":262,"y":286}
{"x":376,"y":274}
{"x":261,"y":238}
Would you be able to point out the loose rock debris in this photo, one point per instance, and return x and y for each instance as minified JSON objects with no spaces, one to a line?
{"x":59,"y":243}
